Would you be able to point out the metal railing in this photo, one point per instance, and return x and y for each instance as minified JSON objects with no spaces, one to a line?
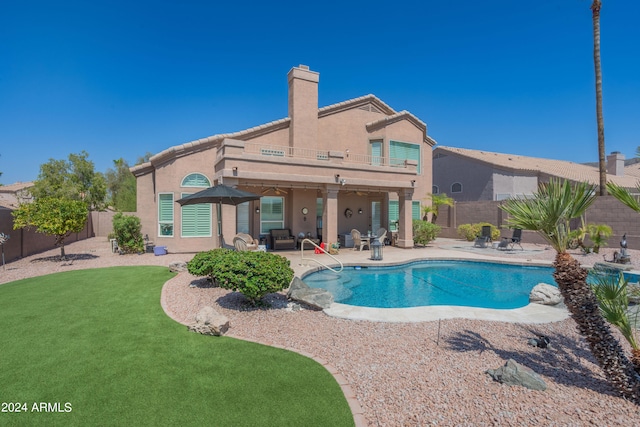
{"x":323,"y":155}
{"x":315,"y":260}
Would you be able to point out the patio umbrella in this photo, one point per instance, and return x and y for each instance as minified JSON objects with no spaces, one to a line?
{"x":221,"y":194}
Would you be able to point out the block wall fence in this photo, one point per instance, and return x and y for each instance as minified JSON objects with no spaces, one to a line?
{"x":605,"y":210}
{"x":23,"y":242}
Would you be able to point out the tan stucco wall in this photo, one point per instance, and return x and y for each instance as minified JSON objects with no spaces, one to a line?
{"x":304,"y":179}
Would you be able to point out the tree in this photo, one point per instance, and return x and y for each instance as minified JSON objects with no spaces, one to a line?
{"x":57,"y":217}
{"x":549,"y":212}
{"x":613,"y":297}
{"x":595,"y":13}
{"x":121,"y":187}
{"x":144,"y":159}
{"x":437,"y":200}
{"x":73,"y":179}
{"x":128,"y":233}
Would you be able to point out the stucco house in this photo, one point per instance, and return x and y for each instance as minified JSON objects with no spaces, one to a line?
{"x":471,"y":175}
{"x":320,"y":171}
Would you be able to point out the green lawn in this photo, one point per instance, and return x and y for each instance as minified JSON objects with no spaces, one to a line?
{"x":99,"y":340}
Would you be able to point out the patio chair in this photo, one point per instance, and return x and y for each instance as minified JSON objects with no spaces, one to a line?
{"x":244,"y":242}
{"x":516,"y":238}
{"x":381,"y":235}
{"x":358,"y":241}
{"x":484,"y":238}
{"x":508,"y":243}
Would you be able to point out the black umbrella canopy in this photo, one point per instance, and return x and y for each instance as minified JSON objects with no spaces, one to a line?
{"x":219,"y":194}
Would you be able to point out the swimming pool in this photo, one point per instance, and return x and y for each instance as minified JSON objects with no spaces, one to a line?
{"x":428,"y":283}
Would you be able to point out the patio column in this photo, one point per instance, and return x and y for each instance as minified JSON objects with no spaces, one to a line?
{"x":330,"y":215}
{"x":405,"y":227}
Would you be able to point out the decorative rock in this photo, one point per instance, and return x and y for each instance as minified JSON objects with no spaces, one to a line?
{"x":545,"y":294}
{"x":210,"y":322}
{"x":178,"y":266}
{"x":512,"y":373}
{"x":315,"y":297}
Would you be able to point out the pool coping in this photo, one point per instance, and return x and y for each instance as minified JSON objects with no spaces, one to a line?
{"x":531,"y":313}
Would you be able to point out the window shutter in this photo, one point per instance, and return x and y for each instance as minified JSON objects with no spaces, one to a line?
{"x":401,"y":151}
{"x":196,"y":220}
{"x":415,"y":210}
{"x":196,"y":180}
{"x":394,"y":215}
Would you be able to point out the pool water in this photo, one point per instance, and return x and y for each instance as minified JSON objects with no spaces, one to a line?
{"x":425,"y":283}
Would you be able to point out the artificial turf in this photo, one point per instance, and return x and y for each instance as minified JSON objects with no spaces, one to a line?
{"x":98,"y":343}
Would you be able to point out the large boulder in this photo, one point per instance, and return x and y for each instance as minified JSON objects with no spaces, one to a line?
{"x":512,"y":373}
{"x":545,"y":294}
{"x":314,"y":297}
{"x":178,"y":266}
{"x":209,"y":322}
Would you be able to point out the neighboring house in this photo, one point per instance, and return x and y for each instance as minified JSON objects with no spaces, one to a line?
{"x":471,"y":175}
{"x":13,"y":194}
{"x":321,"y":171}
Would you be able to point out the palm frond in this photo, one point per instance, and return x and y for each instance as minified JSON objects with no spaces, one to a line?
{"x":550,"y":210}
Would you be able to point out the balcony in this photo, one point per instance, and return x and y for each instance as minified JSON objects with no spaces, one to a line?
{"x":324,"y":155}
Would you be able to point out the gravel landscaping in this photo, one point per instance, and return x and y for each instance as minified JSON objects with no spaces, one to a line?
{"x":429,"y":373}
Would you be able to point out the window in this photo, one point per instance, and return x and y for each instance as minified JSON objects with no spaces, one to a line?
{"x":271,"y":214}
{"x":376,"y":215}
{"x":196,"y":219}
{"x":456,"y":187}
{"x":242,"y":218}
{"x":394,"y":213}
{"x":196,"y":180}
{"x":401,"y":151}
{"x":165,"y":214}
{"x":435,"y":190}
{"x":376,"y":152}
{"x":415,"y":210}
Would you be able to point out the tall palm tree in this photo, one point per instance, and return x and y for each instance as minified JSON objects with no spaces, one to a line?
{"x":549,"y":212}
{"x":595,"y":13}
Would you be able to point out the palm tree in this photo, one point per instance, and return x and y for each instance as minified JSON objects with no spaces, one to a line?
{"x":437,"y":200}
{"x":613,"y":297}
{"x":549,"y":212}
{"x":595,"y":13}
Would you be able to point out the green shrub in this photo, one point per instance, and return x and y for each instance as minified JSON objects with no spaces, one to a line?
{"x":128,"y":233}
{"x":424,"y":231}
{"x":471,"y":231}
{"x":252,"y":273}
{"x":467,"y":232}
{"x":204,"y":263}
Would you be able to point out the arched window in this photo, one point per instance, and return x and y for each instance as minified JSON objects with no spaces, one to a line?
{"x":196,"y":180}
{"x":196,"y":219}
{"x":456,"y":187}
{"x":435,"y":189}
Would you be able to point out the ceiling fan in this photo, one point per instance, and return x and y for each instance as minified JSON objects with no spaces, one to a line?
{"x":276,"y":190}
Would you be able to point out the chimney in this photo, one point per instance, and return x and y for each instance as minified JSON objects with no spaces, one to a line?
{"x":615,"y":163}
{"x":303,"y":107}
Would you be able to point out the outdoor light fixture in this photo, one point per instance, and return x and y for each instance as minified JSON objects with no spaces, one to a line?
{"x":258,"y":210}
{"x":413,"y":182}
{"x":343,"y":181}
{"x":376,"y":250}
{"x":235,"y":171}
{"x":360,"y":211}
{"x":337,"y":176}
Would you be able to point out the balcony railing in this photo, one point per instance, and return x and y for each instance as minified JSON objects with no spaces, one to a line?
{"x":323,"y":155}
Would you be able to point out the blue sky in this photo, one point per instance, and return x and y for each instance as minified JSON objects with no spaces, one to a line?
{"x":119,"y":79}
